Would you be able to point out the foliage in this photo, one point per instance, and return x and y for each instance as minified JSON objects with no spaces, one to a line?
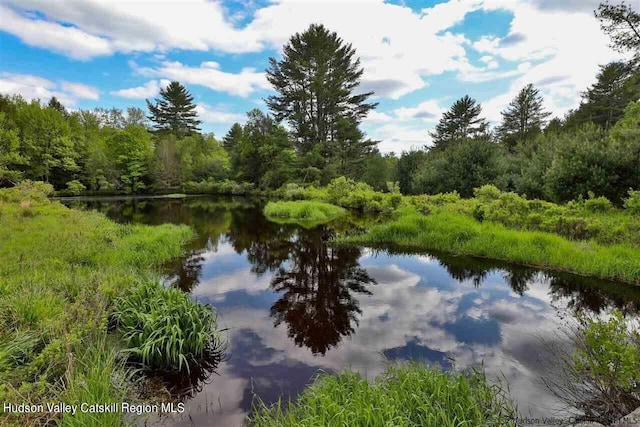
{"x":60,"y":271}
{"x":10,"y":157}
{"x":525,"y":116}
{"x":315,"y":81}
{"x":306,"y":213}
{"x":622,"y":24}
{"x":463,"y":166}
{"x":600,"y":377}
{"x":226,"y":187}
{"x":164,"y":329}
{"x":460,"y":234}
{"x":461,"y":122}
{"x":75,"y":187}
{"x":174,"y":111}
{"x":405,"y":395}
{"x":350,"y":194}
{"x":617,"y":84}
{"x":597,"y":204}
{"x":632,"y":203}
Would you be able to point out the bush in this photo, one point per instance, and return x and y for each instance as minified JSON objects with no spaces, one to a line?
{"x":36,"y":191}
{"x":405,"y":395}
{"x":597,"y":204}
{"x":601,"y":376}
{"x":226,"y":187}
{"x":632,"y":203}
{"x":487,"y":193}
{"x":75,"y":187}
{"x":164,"y":329}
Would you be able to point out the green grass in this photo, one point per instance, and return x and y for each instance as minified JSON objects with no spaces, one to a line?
{"x":60,"y":272}
{"x":97,"y":377}
{"x":459,"y":234}
{"x":405,"y":395}
{"x":164,"y":329}
{"x":306,"y":213}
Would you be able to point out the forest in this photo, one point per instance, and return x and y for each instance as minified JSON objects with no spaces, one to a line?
{"x":93,"y":302}
{"x":312,"y":135}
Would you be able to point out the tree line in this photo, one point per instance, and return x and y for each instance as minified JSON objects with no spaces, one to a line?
{"x":317,"y":95}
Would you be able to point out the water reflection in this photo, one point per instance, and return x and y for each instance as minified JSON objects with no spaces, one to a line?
{"x":318,"y":288}
{"x":295,"y":306}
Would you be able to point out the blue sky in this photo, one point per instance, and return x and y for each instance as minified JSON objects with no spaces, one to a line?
{"x":418,"y":56}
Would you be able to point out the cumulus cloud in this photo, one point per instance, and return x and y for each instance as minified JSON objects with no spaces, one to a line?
{"x":210,"y":75}
{"x":34,"y":87}
{"x":147,"y":90}
{"x":400,"y":48}
{"x":428,"y":111}
{"x":210,"y":114}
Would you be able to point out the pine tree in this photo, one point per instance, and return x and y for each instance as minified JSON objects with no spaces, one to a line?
{"x":462,"y":121}
{"x":622,"y":24}
{"x":617,"y":84}
{"x":57,"y":105}
{"x":174,"y":111}
{"x":524,"y":117}
{"x":316,"y":80}
{"x":232,"y":139}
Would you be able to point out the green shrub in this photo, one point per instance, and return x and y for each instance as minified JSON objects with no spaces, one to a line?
{"x":405,"y":395}
{"x":608,"y":352}
{"x":164,"y":329}
{"x":632,"y":203}
{"x":35,"y":191}
{"x":487,"y":193}
{"x":601,"y":375}
{"x":75,"y":187}
{"x":597,"y":204}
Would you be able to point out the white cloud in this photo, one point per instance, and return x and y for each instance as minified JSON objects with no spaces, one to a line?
{"x":69,"y":41}
{"x":34,"y":87}
{"x":561,"y":69}
{"x":210,"y":75}
{"x":148,"y":90}
{"x":210,"y":114}
{"x":427,"y":111}
{"x":377,"y":117}
{"x":80,"y":90}
{"x":398,"y":137}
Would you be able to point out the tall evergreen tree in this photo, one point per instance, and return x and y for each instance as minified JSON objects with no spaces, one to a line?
{"x":174,"y":111}
{"x":622,"y":24}
{"x":57,"y":105}
{"x":351,"y":149}
{"x":617,"y":84}
{"x":524,"y":117}
{"x":460,"y":122}
{"x":316,"y":82}
{"x":232,"y":139}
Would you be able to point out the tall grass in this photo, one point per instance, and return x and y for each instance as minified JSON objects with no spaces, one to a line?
{"x":306,"y":213}
{"x":164,"y":329}
{"x":405,"y":395}
{"x":461,"y":235}
{"x":97,"y":377}
{"x":60,"y":272}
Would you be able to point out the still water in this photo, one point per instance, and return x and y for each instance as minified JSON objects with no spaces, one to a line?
{"x":294,"y":306}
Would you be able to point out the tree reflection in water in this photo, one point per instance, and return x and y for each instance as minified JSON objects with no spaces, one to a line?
{"x":318,"y":286}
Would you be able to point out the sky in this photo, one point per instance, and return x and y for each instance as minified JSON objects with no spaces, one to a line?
{"x":418,"y":56}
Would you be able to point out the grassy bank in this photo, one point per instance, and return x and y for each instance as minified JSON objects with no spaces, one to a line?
{"x":304,"y":212}
{"x":587,"y":236}
{"x":60,"y":273}
{"x":405,"y":395}
{"x":462,"y":235}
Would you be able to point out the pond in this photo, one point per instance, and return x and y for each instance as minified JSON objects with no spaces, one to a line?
{"x":294,"y":306}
